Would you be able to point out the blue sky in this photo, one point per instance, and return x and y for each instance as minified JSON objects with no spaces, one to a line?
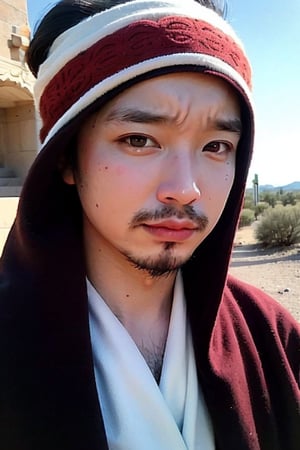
{"x":270,"y":32}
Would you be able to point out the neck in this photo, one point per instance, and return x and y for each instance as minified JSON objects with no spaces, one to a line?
{"x":128,"y":290}
{"x":141,"y":302}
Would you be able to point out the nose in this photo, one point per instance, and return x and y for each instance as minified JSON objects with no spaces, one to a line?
{"x":179,"y":183}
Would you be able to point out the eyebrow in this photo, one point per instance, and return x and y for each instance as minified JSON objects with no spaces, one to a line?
{"x":233,"y":125}
{"x":137,"y":116}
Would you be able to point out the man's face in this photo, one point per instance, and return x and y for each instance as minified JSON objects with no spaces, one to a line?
{"x":155,"y":168}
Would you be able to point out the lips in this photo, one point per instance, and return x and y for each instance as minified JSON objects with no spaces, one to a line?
{"x":171,"y":230}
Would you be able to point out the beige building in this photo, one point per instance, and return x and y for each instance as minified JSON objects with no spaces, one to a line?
{"x":18,"y":131}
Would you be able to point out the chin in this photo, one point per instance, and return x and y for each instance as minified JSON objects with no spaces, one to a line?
{"x":164,"y":264}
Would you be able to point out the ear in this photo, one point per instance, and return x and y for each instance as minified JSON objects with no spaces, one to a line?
{"x":66,"y":170}
{"x":68,"y":175}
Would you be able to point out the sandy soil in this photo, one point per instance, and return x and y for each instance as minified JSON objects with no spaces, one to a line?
{"x":8,"y":207}
{"x":275,"y":271}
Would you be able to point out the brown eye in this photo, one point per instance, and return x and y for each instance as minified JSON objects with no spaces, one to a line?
{"x":137,"y":141}
{"x":218,"y":147}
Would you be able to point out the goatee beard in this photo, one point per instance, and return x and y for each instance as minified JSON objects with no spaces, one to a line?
{"x":163,"y":265}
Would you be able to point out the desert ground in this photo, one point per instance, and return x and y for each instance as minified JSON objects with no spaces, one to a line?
{"x":275,"y":271}
{"x":8,"y":208}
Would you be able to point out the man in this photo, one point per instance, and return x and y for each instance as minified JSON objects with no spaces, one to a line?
{"x":120,"y":327}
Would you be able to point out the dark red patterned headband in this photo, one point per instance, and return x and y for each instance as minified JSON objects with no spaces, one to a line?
{"x":81,"y":75}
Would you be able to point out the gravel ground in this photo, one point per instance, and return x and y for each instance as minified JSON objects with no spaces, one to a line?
{"x":275,"y":271}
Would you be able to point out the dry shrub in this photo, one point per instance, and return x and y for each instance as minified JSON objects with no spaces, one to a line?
{"x":246,"y":218}
{"x":279,"y":226}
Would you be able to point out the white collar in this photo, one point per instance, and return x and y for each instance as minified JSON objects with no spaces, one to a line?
{"x":137,"y":412}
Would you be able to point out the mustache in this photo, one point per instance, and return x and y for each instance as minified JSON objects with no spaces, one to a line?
{"x":166,"y":212}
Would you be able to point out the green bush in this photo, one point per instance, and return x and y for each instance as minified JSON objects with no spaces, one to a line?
{"x":289,"y":198}
{"x":270,"y":198}
{"x":248,"y":202}
{"x":246,"y":218}
{"x":260,"y":208}
{"x":279,"y":226}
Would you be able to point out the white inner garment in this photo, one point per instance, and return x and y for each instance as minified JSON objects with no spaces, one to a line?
{"x":138,"y":413}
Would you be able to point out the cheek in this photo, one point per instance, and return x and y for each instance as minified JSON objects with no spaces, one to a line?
{"x":127,"y":178}
{"x":121,"y":171}
{"x":221,"y":178}
{"x":229,"y":172}
{"x":218,"y":186}
{"x":111,"y":187}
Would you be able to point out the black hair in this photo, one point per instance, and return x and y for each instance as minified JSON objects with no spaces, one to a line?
{"x":67,"y":13}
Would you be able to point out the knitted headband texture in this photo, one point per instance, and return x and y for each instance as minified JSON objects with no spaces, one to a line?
{"x":132,"y":39}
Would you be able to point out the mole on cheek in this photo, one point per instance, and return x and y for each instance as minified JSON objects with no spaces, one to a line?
{"x":228,"y":163}
{"x":97,"y":206}
{"x":100,"y":168}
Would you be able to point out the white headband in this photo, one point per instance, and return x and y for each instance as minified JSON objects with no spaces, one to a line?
{"x":117,"y":45}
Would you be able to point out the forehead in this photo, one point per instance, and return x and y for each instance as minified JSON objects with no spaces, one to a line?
{"x":184,"y":90}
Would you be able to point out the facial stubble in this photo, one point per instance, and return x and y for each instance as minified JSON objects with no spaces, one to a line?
{"x":165,"y":263}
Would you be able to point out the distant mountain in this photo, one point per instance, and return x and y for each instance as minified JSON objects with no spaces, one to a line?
{"x":267,"y":187}
{"x":295,"y":186}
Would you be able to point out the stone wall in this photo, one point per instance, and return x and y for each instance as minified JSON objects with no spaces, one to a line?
{"x":20,"y":138}
{"x":13,"y":21}
{"x":18,"y":135}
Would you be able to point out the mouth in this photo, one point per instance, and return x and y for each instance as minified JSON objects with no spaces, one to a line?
{"x":171,"y":230}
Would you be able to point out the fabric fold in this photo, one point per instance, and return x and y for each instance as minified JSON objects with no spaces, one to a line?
{"x":139,"y":413}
